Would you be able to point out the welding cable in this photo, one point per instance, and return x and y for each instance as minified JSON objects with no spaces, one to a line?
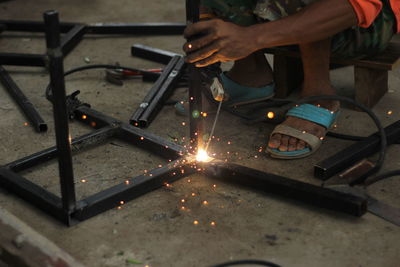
{"x":381,"y":177}
{"x":95,"y":66}
{"x":252,"y":262}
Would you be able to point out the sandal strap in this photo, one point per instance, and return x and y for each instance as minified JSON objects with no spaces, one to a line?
{"x":318,"y":115}
{"x":313,"y":141}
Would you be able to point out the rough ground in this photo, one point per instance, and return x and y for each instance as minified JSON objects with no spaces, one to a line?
{"x":153,"y":229}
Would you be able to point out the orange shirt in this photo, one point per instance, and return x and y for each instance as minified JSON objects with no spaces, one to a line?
{"x":368,"y":10}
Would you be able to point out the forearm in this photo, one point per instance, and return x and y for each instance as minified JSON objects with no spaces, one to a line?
{"x":318,"y":21}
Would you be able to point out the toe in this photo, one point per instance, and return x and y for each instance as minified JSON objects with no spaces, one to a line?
{"x":275,"y":141}
{"x":292,"y":144}
{"x":284,"y":143}
{"x":301,"y":145}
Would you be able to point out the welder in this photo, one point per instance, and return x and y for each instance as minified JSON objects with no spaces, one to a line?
{"x":238,"y":31}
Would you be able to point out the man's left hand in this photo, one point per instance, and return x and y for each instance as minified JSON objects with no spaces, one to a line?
{"x":220,"y":41}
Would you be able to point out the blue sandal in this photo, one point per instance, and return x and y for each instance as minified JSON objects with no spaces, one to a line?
{"x":240,"y":95}
{"x":307,"y":112}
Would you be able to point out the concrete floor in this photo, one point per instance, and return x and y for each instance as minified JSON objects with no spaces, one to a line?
{"x":153,"y":229}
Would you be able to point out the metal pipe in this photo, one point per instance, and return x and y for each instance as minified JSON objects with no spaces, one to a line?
{"x":21,"y":59}
{"x":23,"y":102}
{"x":136,"y":28}
{"x":57,"y":82}
{"x":72,"y":38}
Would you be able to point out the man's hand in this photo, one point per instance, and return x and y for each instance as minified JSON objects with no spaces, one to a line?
{"x":220,"y":41}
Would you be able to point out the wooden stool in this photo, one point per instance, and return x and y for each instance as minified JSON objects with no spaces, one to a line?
{"x":370,"y":75}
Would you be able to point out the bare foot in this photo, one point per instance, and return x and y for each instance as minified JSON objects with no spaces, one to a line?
{"x":288,"y":143}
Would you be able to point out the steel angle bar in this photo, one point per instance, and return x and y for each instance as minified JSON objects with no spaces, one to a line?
{"x":355,"y":152}
{"x":23,"y":102}
{"x":131,"y":189}
{"x":153,"y":54}
{"x":72,"y":38}
{"x":164,"y":92}
{"x":135,"y":119}
{"x":88,"y":140}
{"x":32,"y":193}
{"x":289,"y":188}
{"x":21,"y":59}
{"x":137,"y":28}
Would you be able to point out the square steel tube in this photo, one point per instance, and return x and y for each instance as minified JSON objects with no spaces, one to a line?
{"x":165,"y":75}
{"x":70,"y":40}
{"x":32,"y":26}
{"x":288,"y":188}
{"x":23,"y":102}
{"x":354,"y":153}
{"x":136,"y":28}
{"x":32,"y":193}
{"x":163,"y":93}
{"x":21,"y":59}
{"x":91,"y":139}
{"x":131,"y":189}
{"x":153,"y":54}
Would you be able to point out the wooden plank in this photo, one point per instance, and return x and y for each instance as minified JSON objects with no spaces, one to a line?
{"x":21,"y":246}
{"x":370,"y":85}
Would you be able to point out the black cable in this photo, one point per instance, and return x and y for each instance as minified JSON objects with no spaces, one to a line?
{"x":95,"y":66}
{"x":382,"y":177}
{"x":241,"y":262}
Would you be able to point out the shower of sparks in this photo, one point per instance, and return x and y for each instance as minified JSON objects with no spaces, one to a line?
{"x":202,"y":156}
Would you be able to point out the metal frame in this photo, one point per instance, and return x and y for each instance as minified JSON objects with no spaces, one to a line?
{"x":70,"y":211}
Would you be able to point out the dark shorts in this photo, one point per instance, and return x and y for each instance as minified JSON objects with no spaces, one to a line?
{"x":355,"y":42}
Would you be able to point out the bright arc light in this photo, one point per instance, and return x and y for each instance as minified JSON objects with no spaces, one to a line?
{"x":202,"y":156}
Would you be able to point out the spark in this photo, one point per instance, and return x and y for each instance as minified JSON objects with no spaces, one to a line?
{"x":205,"y":202}
{"x":26,"y":124}
{"x":183,"y":123}
{"x":229,"y":142}
{"x":142,"y":138}
{"x":270,"y":115}
{"x":122,"y":202}
{"x":183,"y":200}
{"x":196,"y":222}
{"x":84,"y":117}
{"x":83,"y":181}
{"x":127,"y":182}
{"x":93,"y":124}
{"x":205,"y":114}
{"x":167,"y":185}
{"x":390,"y":112}
{"x":183,"y":208}
{"x":213,"y":223}
{"x":214,"y":185}
{"x":193,"y":194}
{"x":119,"y":208}
{"x":190,"y":46}
{"x":321,"y":138}
{"x":202,"y":156}
{"x":189,"y":181}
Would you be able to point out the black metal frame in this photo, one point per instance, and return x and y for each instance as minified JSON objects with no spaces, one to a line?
{"x":70,"y":211}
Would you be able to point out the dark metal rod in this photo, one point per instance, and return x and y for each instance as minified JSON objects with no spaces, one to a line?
{"x":91,"y":139}
{"x":289,"y":188}
{"x":151,"y":53}
{"x":23,"y":102}
{"x":32,"y":193}
{"x":32,"y":26}
{"x":56,"y":69}
{"x":20,"y":59}
{"x":355,"y":152}
{"x":137,"y":28}
{"x":72,"y":38}
{"x":132,"y":135}
{"x":164,"y":92}
{"x":195,"y":95}
{"x":134,"y":120}
{"x":131,"y":189}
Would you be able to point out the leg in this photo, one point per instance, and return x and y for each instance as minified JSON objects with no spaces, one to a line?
{"x":315,"y":57}
{"x":252,"y":71}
